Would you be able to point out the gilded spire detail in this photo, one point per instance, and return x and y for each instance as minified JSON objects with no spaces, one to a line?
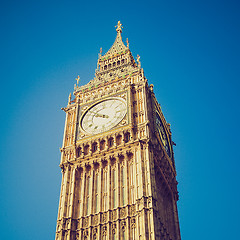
{"x":117,"y":61}
{"x":118,"y":46}
{"x":119,"y":27}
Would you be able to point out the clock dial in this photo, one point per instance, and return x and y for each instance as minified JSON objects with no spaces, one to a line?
{"x":162,"y":134}
{"x":103,"y":116}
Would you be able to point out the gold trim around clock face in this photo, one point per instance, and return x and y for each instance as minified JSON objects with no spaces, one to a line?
{"x":103,"y":115}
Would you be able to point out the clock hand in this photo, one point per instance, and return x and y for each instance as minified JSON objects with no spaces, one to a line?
{"x":101,"y":115}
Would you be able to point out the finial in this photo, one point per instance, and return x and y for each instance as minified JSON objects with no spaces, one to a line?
{"x":127,"y":43}
{"x":99,"y":56}
{"x":69,"y":98}
{"x":78,"y":79}
{"x":138,"y":60}
{"x":119,"y":27}
{"x":151,"y":87}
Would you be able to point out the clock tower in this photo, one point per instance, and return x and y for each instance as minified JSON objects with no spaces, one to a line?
{"x":118,"y":170}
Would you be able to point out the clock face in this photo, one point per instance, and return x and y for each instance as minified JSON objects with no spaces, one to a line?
{"x":162,"y":134}
{"x":103,"y":116}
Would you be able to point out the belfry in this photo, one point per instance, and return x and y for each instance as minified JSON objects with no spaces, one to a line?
{"x":118,"y":169}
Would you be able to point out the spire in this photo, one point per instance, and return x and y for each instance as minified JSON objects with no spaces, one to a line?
{"x":118,"y":46}
{"x":118,"y":61}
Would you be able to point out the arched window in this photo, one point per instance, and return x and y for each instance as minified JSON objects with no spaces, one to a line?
{"x":102,"y":145}
{"x":110,"y":142}
{"x":78,"y":152}
{"x":119,"y":139}
{"x":126,"y":137}
{"x":86,"y":149}
{"x":94,"y":147}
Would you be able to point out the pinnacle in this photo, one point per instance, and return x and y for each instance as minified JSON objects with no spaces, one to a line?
{"x":118,"y":46}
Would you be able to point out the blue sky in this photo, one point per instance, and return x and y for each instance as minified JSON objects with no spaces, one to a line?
{"x":189,"y":50}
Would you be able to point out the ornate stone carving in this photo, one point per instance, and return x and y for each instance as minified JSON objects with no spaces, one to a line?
{"x":104,"y":230}
{"x":58,"y":226}
{"x":95,"y":219}
{"x":104,"y":217}
{"x":94,"y":233}
{"x":133,"y":222}
{"x":122,"y":160}
{"x":114,"y":214}
{"x":123,"y":122}
{"x":124,"y":96}
{"x":85,"y":233}
{"x":149,"y":202}
{"x":68,"y":223}
{"x":57,"y":236}
{"x":122,"y":212}
{"x":114,"y":228}
{"x":105,"y":169}
{"x":95,"y":230}
{"x":123,"y":225}
{"x":78,"y":224}
{"x":85,"y":222}
{"x":133,"y":210}
{"x":63,"y":222}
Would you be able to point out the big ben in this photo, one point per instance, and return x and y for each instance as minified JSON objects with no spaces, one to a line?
{"x":117,"y":161}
